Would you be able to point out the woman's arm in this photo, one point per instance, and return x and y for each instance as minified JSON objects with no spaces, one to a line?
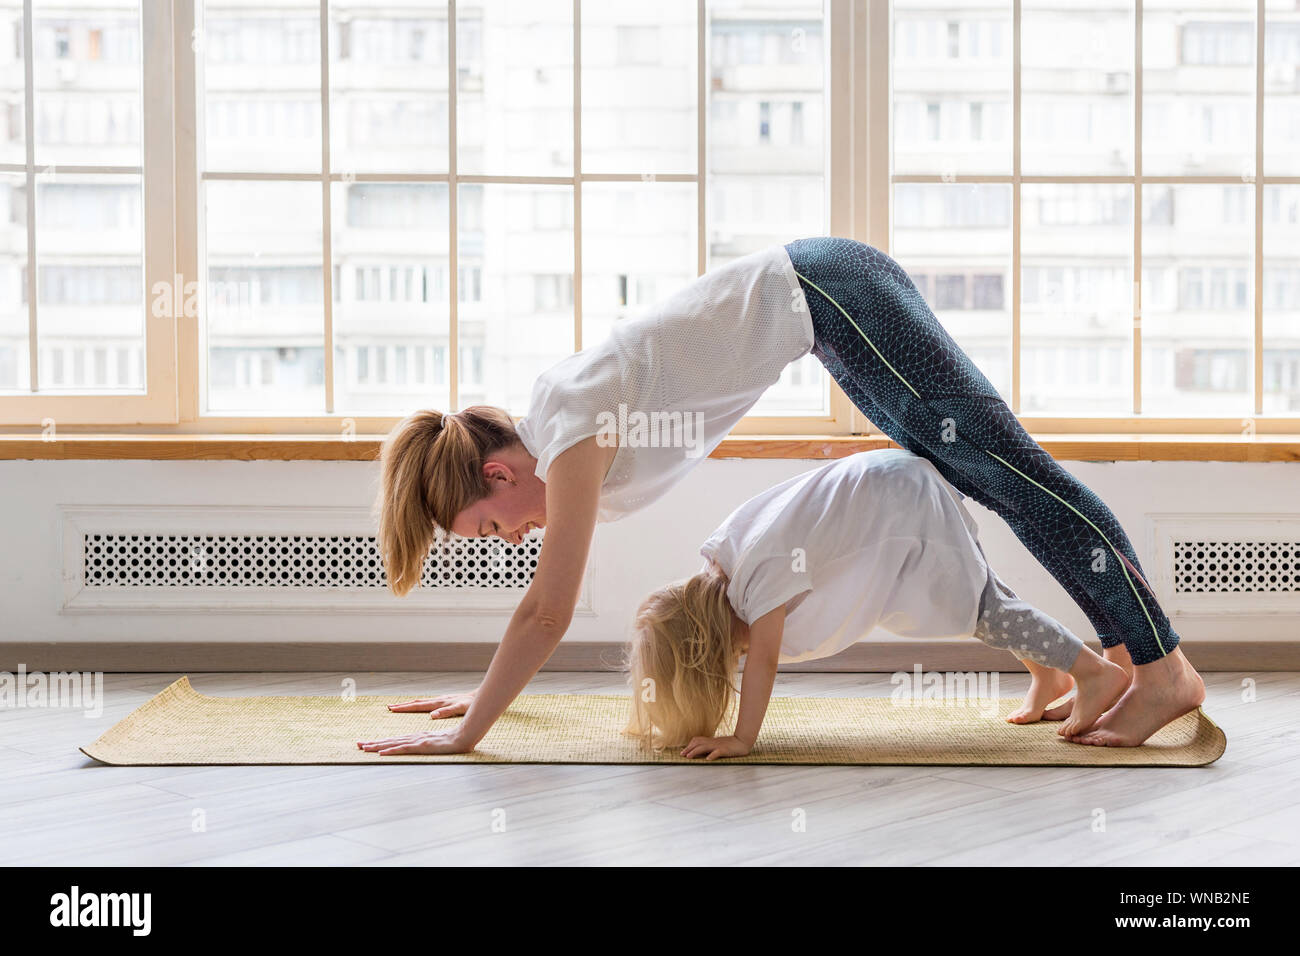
{"x":755,"y":690}
{"x":572,"y":499}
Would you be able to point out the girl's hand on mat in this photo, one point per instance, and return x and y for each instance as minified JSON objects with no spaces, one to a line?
{"x":448,"y":705}
{"x":426,"y":743}
{"x":710,"y":747}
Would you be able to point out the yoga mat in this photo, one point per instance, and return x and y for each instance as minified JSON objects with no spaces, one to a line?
{"x":180,"y":726}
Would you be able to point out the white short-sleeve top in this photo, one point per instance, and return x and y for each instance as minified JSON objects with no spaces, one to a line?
{"x":876,"y":539}
{"x":670,"y":384}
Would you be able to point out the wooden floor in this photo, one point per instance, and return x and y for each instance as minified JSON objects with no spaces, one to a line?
{"x":59,"y":807}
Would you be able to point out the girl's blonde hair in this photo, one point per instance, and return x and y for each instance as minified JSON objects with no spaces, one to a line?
{"x":432,"y":470}
{"x":681,"y":664}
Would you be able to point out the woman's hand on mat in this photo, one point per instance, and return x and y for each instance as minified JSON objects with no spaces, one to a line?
{"x":426,"y":743}
{"x":710,"y":747}
{"x":448,"y":705}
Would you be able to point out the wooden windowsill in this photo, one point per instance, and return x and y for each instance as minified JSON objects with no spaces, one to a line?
{"x":221,"y":447}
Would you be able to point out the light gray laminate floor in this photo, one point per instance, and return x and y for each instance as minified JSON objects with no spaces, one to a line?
{"x":59,"y":807}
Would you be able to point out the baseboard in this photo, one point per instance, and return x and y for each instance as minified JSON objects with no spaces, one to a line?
{"x":202,"y":657}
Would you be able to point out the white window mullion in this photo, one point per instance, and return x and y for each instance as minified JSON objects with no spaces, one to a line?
{"x":327,"y":251}
{"x":1258,"y":350}
{"x":1137,"y":209}
{"x":846,"y":169}
{"x":871,"y":145}
{"x":158,"y":201}
{"x":876,"y":212}
{"x":453,"y":246}
{"x":577,"y":175}
{"x":701,"y":126}
{"x":29,"y":133}
{"x":838,"y":92}
{"x":1015,"y":209}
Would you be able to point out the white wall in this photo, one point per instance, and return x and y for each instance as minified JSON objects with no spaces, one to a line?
{"x":629,"y":557}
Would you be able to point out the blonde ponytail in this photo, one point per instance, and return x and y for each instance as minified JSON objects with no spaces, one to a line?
{"x":431,"y":469}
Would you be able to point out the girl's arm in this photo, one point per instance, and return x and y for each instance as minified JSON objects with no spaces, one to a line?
{"x":755,"y":690}
{"x":539,"y":622}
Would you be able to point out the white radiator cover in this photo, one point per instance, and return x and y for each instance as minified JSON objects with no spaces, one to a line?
{"x":207,"y":558}
{"x":1226,"y":563}
{"x":48,"y":508}
{"x":284,"y":558}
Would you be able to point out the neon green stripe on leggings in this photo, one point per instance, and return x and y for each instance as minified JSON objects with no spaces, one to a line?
{"x":860,"y":332}
{"x":1122,"y":567}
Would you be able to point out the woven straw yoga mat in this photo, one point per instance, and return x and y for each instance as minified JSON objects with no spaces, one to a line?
{"x":182,"y":726}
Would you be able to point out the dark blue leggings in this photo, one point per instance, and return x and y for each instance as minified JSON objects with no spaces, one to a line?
{"x":893,"y":358}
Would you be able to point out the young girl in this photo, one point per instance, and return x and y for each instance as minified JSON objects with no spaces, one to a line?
{"x":810,"y":566}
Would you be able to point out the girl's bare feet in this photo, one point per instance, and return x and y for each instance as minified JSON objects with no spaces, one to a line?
{"x":1119,"y":655}
{"x":1116,"y":655}
{"x":1100,"y":683}
{"x":1046,"y":685}
{"x":1160,"y":693}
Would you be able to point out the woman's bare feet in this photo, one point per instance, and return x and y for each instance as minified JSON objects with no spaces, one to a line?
{"x":1161,"y":692}
{"x":1100,"y":683}
{"x":1046,"y":685}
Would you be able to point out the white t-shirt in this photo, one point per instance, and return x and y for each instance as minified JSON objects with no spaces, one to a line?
{"x":671,"y":384}
{"x":876,"y":539}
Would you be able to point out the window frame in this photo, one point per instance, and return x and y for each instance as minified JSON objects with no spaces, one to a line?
{"x":837,"y":420}
{"x":881,"y":114}
{"x":859,"y":185}
{"x":157,"y":404}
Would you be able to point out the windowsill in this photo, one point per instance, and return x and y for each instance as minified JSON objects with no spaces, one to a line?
{"x":223,"y":447}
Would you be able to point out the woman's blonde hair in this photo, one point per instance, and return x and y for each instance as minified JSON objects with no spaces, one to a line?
{"x":681,"y":664}
{"x":431,"y":471}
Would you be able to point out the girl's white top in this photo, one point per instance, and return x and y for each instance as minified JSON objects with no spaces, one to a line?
{"x":670,"y":384}
{"x":876,"y":539}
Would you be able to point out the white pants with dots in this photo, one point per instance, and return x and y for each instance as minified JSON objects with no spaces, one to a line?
{"x":1009,"y":623}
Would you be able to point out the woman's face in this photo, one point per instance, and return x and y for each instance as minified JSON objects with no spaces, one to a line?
{"x":515,"y":505}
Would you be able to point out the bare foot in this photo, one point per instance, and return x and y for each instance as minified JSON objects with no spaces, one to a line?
{"x":1046,"y":685}
{"x":1161,"y":692}
{"x":1119,"y":655}
{"x":1116,"y":655}
{"x":1100,"y":683}
{"x":1060,"y":711}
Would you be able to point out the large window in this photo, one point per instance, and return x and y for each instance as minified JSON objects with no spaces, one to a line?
{"x":288,"y":214}
{"x":83,"y":165}
{"x":1117,"y":178}
{"x":430,"y":208}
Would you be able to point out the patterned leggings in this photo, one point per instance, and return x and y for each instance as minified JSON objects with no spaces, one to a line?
{"x":893,"y":358}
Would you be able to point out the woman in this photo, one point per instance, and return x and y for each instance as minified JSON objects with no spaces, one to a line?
{"x":706,"y":354}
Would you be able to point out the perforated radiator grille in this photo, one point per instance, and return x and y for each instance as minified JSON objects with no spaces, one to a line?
{"x":1236,"y":566}
{"x":296,"y":561}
